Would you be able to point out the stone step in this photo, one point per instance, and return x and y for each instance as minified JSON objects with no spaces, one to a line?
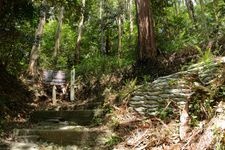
{"x":67,"y":135}
{"x":80,"y":117}
{"x":90,"y":105}
{"x":46,"y":146}
{"x":4,"y":146}
{"x":27,"y":138}
{"x":24,"y":146}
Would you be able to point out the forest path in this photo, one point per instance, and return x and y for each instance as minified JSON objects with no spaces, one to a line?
{"x":63,"y":129}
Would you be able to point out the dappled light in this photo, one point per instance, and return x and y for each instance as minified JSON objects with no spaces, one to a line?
{"x":112,"y":74}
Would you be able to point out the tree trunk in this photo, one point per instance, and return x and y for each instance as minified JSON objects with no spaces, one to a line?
{"x":203,"y":20}
{"x":58,"y":32}
{"x":131,"y":21}
{"x":131,"y":16}
{"x":146,"y":41}
{"x":101,"y":11}
{"x":34,"y":55}
{"x":107,"y":43}
{"x":202,"y":4}
{"x":176,"y":5}
{"x":190,"y":8}
{"x":119,"y":35}
{"x":80,"y":30}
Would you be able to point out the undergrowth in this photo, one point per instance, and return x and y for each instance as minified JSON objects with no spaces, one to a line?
{"x":129,"y":87}
{"x":98,"y":64}
{"x":113,"y":140}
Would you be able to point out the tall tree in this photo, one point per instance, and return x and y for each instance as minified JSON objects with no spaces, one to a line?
{"x":131,"y":16}
{"x":58,"y":32}
{"x":34,"y":55}
{"x":101,"y":12}
{"x":176,"y":6}
{"x":119,"y":23}
{"x":190,"y":8}
{"x":14,"y":16}
{"x":119,"y":34}
{"x":202,"y":4}
{"x":80,"y":30}
{"x":146,"y":40}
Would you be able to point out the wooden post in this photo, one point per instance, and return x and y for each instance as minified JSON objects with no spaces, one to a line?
{"x":72,"y":85}
{"x":54,"y":95}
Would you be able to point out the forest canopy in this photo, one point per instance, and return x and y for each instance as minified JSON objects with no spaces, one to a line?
{"x":151,"y":68}
{"x":99,"y":36}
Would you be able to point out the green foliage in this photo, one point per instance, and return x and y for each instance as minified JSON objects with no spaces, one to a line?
{"x":114,"y":123}
{"x":205,"y":56}
{"x":17,"y":19}
{"x":175,"y":30}
{"x":147,"y":79}
{"x":92,"y":61}
{"x":67,"y":47}
{"x":221,"y":92}
{"x":97,"y":121}
{"x":128,"y":88}
{"x":173,"y":33}
{"x":165,"y":113}
{"x":97,"y":64}
{"x":113,"y":140}
{"x":200,"y":109}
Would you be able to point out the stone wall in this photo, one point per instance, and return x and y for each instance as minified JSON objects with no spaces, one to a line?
{"x":179,"y":88}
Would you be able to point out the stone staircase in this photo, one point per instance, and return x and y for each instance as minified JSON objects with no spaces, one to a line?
{"x":62,"y":130}
{"x":80,"y":117}
{"x":4,"y":146}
